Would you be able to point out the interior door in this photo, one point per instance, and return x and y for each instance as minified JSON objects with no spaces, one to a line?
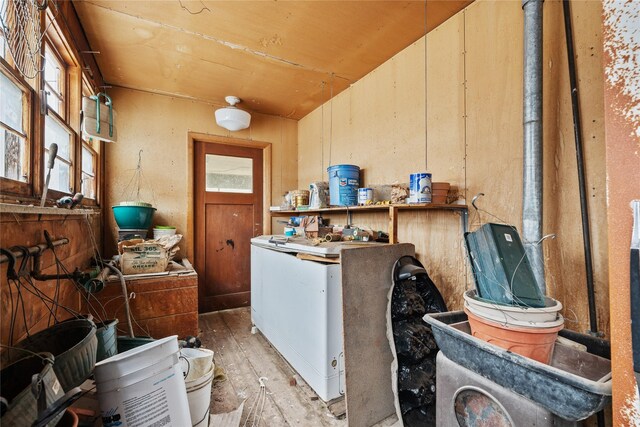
{"x":228,"y":213}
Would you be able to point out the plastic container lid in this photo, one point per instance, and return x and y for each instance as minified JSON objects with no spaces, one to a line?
{"x":143,"y":204}
{"x":135,"y":359}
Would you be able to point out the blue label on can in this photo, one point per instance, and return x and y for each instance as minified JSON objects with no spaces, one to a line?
{"x":420,"y":188}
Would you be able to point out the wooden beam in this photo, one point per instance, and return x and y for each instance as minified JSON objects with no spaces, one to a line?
{"x":622,"y":96}
{"x":393,"y":224}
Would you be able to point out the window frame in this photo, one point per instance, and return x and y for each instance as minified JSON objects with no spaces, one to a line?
{"x":64,"y":81}
{"x":87,"y":90}
{"x":11,"y":187}
{"x":55,"y":44}
{"x":60,"y":36}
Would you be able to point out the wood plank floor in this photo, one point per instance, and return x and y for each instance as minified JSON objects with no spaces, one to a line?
{"x":245,"y":358}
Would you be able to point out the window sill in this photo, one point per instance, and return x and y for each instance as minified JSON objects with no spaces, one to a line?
{"x":37,"y":210}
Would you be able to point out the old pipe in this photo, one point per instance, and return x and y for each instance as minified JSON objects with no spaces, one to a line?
{"x":577,"y":130}
{"x":33,"y":250}
{"x":532,"y":123}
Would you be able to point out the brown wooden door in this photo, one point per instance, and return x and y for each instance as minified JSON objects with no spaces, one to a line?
{"x":228,"y":213}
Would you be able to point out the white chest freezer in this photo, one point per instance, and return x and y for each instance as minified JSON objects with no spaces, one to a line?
{"x":297,"y":305}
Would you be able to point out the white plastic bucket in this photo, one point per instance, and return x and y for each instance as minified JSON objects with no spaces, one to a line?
{"x":195,"y":362}
{"x":510,"y":314}
{"x":143,"y":387}
{"x":161,"y":232}
{"x":199,"y":396}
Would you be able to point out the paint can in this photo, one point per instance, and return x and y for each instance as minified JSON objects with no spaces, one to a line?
{"x":420,"y":187}
{"x":365,"y":196}
{"x":344,"y":181}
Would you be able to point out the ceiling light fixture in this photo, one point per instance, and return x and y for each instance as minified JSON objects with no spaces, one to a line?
{"x":232,"y":118}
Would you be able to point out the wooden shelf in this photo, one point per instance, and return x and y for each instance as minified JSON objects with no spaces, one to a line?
{"x":420,"y":206}
{"x":392,"y":209}
{"x":47,"y":210}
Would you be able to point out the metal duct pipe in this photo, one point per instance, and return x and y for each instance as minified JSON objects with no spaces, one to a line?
{"x":532,"y":122}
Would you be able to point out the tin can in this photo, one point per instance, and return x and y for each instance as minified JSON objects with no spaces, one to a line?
{"x":420,"y":187}
{"x":365,"y":196}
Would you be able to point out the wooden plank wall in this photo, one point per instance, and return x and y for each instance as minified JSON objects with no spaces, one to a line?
{"x":158,"y":125}
{"x":27,"y":230}
{"x":474,"y":139}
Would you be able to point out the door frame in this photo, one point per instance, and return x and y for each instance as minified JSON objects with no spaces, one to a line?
{"x":192,"y":137}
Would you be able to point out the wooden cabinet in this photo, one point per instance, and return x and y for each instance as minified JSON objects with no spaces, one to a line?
{"x":161,"y":305}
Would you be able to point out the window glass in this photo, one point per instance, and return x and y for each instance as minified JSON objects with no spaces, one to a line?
{"x":11,"y":104}
{"x":87,"y":160}
{"x":4,"y":10}
{"x":61,"y":173}
{"x":88,"y":173}
{"x":3,"y":46}
{"x":13,"y":144}
{"x":53,"y":77}
{"x":227,"y":174}
{"x":13,"y":152}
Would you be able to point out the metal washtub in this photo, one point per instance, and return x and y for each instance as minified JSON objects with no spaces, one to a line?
{"x":574,"y":386}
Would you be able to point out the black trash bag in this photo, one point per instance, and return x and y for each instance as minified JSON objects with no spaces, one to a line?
{"x":413,"y":295}
{"x":416,"y":387}
{"x":414,"y":341}
{"x":423,"y":416}
{"x":406,"y":302}
{"x":431,"y":298}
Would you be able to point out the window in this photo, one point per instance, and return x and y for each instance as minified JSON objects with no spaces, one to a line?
{"x":90,"y":156}
{"x":28,"y":127}
{"x":62,"y":173}
{"x":56,"y":128}
{"x":227,"y":174}
{"x":14,"y":123}
{"x":89,"y":168}
{"x":54,"y":79}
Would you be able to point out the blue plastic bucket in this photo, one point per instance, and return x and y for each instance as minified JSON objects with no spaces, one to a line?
{"x":344,"y":181}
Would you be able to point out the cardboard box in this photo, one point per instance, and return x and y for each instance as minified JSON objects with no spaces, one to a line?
{"x":141,"y":258}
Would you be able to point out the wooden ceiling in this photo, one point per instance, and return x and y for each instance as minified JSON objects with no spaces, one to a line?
{"x":280,"y":57}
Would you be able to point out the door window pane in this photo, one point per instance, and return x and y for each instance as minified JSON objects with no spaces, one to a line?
{"x":226,"y":174}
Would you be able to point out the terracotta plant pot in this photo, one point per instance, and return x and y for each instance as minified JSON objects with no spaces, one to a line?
{"x":534,"y":343}
{"x":443,"y":186}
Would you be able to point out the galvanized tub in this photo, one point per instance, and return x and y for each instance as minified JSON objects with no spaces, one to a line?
{"x":107,"y":342}
{"x":576,"y":385}
{"x":16,"y":385}
{"x":74,"y":345}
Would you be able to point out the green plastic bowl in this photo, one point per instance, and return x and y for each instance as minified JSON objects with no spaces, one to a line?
{"x":133,"y":217}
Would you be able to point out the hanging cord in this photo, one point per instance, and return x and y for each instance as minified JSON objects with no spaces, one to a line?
{"x":45,"y":298}
{"x":257,"y":407}
{"x":40,"y":355}
{"x":132,"y":296}
{"x":204,"y":7}
{"x":426,"y":133}
{"x":330,"y":117}
{"x":322,"y":133}
{"x":94,"y":245}
{"x":127,"y":308}
{"x":86,"y":295}
{"x":138,"y":177}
